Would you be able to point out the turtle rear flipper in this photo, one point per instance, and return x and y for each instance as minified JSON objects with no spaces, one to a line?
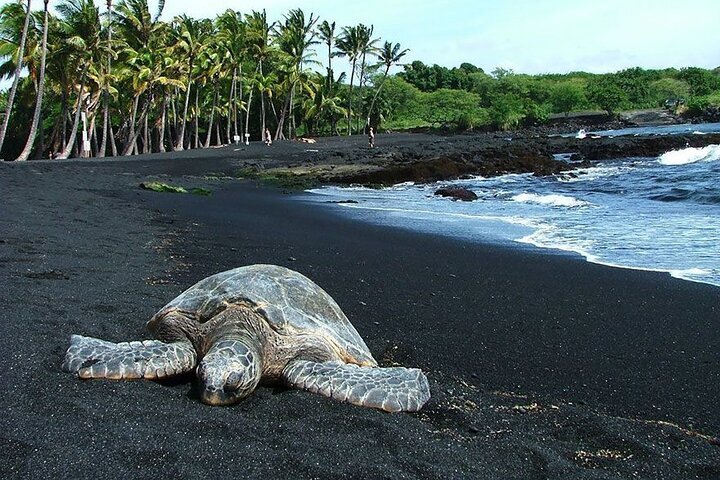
{"x":393,"y":389}
{"x":94,"y":358}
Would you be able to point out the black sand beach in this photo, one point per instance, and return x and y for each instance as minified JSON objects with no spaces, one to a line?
{"x":540,"y":365}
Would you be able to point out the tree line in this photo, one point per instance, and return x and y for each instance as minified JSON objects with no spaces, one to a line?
{"x":123,"y":81}
{"x":466,"y":96}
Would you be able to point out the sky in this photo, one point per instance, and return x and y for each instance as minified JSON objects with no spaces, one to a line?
{"x":541,"y":36}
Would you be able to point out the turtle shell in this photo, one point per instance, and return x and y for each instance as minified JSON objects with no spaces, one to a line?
{"x":289,"y":301}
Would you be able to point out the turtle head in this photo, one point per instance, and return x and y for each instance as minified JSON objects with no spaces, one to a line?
{"x":229,"y":372}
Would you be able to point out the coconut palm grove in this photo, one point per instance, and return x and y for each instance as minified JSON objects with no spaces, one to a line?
{"x":88,"y":81}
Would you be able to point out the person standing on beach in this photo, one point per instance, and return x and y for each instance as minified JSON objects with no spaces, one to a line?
{"x":268,"y":138}
{"x":371,"y":137}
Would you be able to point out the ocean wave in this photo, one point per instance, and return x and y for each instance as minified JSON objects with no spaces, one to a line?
{"x":691,"y":155}
{"x":553,"y":200}
{"x":586,"y":174}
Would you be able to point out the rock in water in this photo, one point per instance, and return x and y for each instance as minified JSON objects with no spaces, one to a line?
{"x":457,"y":193}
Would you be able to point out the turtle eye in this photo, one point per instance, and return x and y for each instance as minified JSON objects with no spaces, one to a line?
{"x":232,"y":382}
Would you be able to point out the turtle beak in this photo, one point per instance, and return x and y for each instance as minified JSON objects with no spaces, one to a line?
{"x":218,"y":387}
{"x":217,"y":397}
{"x":224,"y":383}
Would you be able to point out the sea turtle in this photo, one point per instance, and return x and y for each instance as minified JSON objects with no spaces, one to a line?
{"x":251,"y":324}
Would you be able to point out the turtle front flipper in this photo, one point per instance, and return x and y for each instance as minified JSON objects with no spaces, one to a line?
{"x":394,"y":389}
{"x":151,"y":359}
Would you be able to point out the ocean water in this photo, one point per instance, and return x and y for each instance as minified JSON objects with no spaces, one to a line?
{"x":684,"y":128}
{"x":660,"y":214}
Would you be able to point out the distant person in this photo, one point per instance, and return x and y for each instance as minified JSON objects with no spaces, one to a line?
{"x":371,"y":137}
{"x":268,"y":137}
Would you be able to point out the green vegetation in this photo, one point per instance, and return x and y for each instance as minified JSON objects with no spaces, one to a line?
{"x":505,"y":100}
{"x":135,"y":84}
{"x":165,"y":188}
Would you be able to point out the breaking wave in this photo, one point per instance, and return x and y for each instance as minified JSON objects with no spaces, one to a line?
{"x":551,"y":200}
{"x":691,"y":155}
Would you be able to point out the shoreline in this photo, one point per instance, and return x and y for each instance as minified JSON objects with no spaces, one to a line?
{"x":540,"y":365}
{"x":523,"y":242}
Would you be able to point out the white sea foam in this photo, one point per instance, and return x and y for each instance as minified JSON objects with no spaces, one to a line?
{"x":552,"y":200}
{"x":545,"y":237}
{"x":592,"y":173}
{"x":691,"y":155}
{"x":697,"y":132}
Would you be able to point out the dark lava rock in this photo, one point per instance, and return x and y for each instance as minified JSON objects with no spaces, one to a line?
{"x":457,"y":193}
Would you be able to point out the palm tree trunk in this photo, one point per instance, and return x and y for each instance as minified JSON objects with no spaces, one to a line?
{"x":161,"y":146}
{"x":281,"y":122}
{"x":197,"y":118}
{"x":113,"y":143}
{"x":73,"y":132}
{"x":377,"y":92}
{"x":181,"y":138}
{"x":92,"y":136}
{"x":235,"y":105}
{"x":262,"y":112}
{"x":272,"y":106}
{"x":146,"y":137}
{"x":291,"y":123}
{"x":60,"y":142}
{"x":129,"y":145}
{"x":103,"y":141}
{"x":173,"y":104}
{"x":330,"y":70}
{"x":132,"y":141}
{"x":360,"y":85}
{"x":247,"y":113}
{"x":212,"y":117}
{"x":106,"y":94}
{"x":41,"y":89}
{"x":349,"y":113}
{"x":231,"y":105}
{"x":16,"y":80}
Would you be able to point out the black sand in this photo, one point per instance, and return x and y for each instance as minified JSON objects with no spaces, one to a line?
{"x":541,"y":365}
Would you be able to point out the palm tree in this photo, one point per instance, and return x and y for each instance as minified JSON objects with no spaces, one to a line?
{"x":231,"y":36}
{"x":144,"y":63}
{"x":322,"y":102}
{"x":258,"y":41}
{"x":106,"y":91}
{"x":82,"y":27}
{"x":295,"y":37}
{"x":366,"y":46}
{"x":18,"y":69}
{"x":188,"y":38}
{"x":349,"y":46}
{"x":388,"y":55}
{"x":207,"y":69}
{"x":41,"y":90}
{"x":326,"y":32}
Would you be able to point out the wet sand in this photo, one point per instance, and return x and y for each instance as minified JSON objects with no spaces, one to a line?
{"x":541,"y":365}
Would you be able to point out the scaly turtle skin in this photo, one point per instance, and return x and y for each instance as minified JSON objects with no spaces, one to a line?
{"x":260,"y":323}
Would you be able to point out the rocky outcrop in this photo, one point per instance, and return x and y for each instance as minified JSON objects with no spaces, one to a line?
{"x":651,"y":116}
{"x":426,"y":158}
{"x":457,"y":193}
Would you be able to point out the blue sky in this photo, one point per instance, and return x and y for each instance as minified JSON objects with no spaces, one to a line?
{"x":542,"y":36}
{"x":527,"y":36}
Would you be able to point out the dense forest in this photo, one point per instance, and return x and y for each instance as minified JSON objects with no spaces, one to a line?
{"x":87,"y":82}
